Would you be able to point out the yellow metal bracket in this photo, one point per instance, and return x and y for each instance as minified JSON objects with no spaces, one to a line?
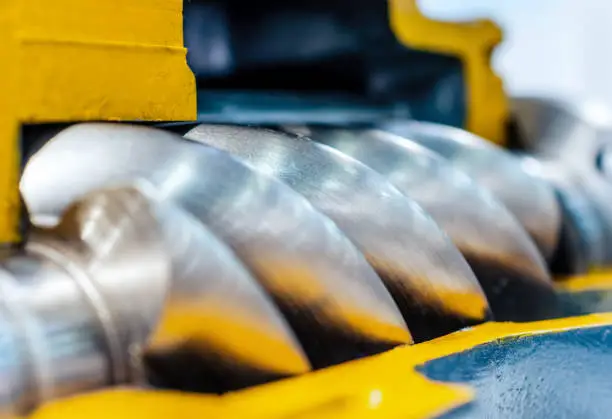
{"x":77,"y":60}
{"x":472,"y":43}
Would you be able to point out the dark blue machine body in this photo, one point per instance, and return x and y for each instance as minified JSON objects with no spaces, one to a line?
{"x":556,"y":375}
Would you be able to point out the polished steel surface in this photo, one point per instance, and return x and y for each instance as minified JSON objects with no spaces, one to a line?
{"x":604,"y":161}
{"x":573,"y":131}
{"x":69,"y":332}
{"x":573,"y":140}
{"x":215,"y":313}
{"x":12,"y":367}
{"x":430,"y":280}
{"x":165,"y":285}
{"x":531,"y":200}
{"x":56,"y":334}
{"x":331,"y":297}
{"x":502,"y":255}
{"x":110,"y":244}
{"x":113,"y":240}
{"x":582,"y":241}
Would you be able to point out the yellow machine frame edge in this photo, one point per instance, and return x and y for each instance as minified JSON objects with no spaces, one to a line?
{"x":472,"y":43}
{"x":384,"y":386}
{"x":79,"y":60}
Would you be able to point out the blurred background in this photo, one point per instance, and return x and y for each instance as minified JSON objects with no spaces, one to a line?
{"x":551,"y":47}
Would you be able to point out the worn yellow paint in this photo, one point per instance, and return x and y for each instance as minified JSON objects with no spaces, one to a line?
{"x":600,"y":280}
{"x":383,"y":386}
{"x":75,"y":60}
{"x":472,"y":42}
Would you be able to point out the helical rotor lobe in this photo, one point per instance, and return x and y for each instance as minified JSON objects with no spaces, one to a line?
{"x":67,"y":327}
{"x":282,"y":242}
{"x":327,"y":291}
{"x":503,"y":257}
{"x":430,"y":281}
{"x":572,"y":141}
{"x":531,"y":200}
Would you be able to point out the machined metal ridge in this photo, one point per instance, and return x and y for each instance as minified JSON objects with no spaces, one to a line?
{"x":500,"y":252}
{"x":324,"y":286}
{"x":430,"y":281}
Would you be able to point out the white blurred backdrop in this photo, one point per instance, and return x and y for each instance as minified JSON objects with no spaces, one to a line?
{"x":556,"y":48}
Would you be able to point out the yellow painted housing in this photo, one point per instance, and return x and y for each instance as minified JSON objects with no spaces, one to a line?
{"x":78,"y":60}
{"x":385,"y":386}
{"x":472,"y":43}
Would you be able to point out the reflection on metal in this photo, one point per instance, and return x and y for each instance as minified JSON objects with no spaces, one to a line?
{"x":582,"y":241}
{"x":573,"y":140}
{"x":604,"y":161}
{"x":574,"y":131}
{"x":501,"y":254}
{"x":211,"y":291}
{"x":72,"y":312}
{"x":331,"y":297}
{"x":430,"y":280}
{"x":88,"y":293}
{"x":531,"y":201}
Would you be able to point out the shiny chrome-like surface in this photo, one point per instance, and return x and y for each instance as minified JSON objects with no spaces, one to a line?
{"x":65,"y":329}
{"x":218,"y":325}
{"x":330,"y":295}
{"x":12,"y":367}
{"x":53,"y":344}
{"x":573,"y":131}
{"x":430,"y":280}
{"x":573,"y":140}
{"x":500,"y":252}
{"x":582,"y":242}
{"x":204,"y":285}
{"x":531,"y":200}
